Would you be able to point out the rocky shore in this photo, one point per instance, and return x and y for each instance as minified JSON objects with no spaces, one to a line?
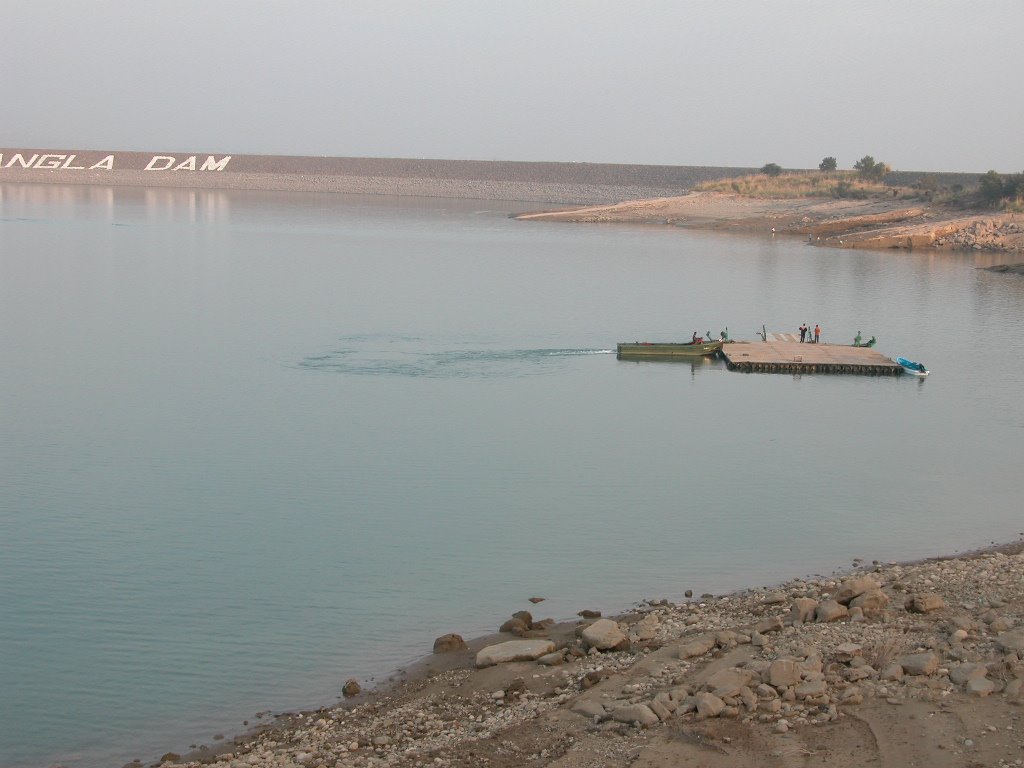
{"x":893,"y":664}
{"x":875,"y":223}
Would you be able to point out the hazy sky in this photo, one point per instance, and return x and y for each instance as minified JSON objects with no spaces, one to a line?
{"x":929,"y":85}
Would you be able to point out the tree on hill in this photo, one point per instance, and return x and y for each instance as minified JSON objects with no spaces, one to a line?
{"x":865,"y":165}
{"x":990,"y":187}
{"x":828,"y":164}
{"x":870,"y":169}
{"x":994,"y":187}
{"x":771,"y":169}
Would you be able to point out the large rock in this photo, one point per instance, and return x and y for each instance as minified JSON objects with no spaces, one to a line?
{"x":635,"y":713}
{"x":604,"y":634}
{"x":802,"y":611}
{"x":811,"y":688}
{"x":708,"y":705}
{"x":1012,"y":640}
{"x":924,"y":603}
{"x":515,"y":626}
{"x":831,"y":610}
{"x":961,"y":673}
{"x":513,"y":650}
{"x":728,"y":679}
{"x":697,"y":647}
{"x":589,"y":708}
{"x":524,"y":616}
{"x":658,"y":708}
{"x":772,"y":624}
{"x":784,"y":672}
{"x":848,"y":651}
{"x":980,"y":686}
{"x":851,"y":588}
{"x":919,"y":663}
{"x":449,"y":643}
{"x":871,"y":601}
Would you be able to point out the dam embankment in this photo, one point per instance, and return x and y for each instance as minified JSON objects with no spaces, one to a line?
{"x":541,"y":182}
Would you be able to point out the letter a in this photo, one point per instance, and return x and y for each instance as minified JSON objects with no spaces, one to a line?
{"x":107,"y":164}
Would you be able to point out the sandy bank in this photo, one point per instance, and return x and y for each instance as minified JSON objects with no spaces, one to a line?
{"x":891,"y":665}
{"x":875,"y":223}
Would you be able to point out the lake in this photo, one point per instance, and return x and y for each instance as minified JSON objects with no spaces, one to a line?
{"x":254,"y":444}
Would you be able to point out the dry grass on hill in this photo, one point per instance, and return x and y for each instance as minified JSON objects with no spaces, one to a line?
{"x":807,"y":184}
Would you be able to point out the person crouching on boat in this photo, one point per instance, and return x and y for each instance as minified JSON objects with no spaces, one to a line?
{"x":695,"y":338}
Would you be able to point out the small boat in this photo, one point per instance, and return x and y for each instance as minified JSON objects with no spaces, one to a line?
{"x":917,"y":369}
{"x":647,"y":349}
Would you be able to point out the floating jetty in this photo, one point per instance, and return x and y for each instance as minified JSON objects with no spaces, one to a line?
{"x":782,"y":353}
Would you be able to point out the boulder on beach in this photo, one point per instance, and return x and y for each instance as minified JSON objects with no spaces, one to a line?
{"x":871,"y":601}
{"x":924,"y":603}
{"x":605,"y":635}
{"x":854,"y":587}
{"x":697,"y":647}
{"x":449,"y":643}
{"x":513,"y":650}
{"x":830,"y":610}
{"x":919,"y":663}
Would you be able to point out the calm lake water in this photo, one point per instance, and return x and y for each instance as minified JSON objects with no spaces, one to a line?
{"x":252,"y":445}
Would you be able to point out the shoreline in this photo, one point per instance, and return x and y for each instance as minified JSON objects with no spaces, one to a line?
{"x":874,"y":223}
{"x":596,"y":192}
{"x":744,"y":674}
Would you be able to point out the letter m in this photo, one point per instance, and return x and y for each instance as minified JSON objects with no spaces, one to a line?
{"x":211,"y":163}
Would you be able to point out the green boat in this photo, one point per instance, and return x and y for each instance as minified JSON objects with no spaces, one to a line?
{"x":640,"y":350}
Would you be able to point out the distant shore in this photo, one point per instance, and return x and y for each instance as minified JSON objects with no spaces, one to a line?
{"x":598,"y":192}
{"x":542,"y":182}
{"x":874,"y":223}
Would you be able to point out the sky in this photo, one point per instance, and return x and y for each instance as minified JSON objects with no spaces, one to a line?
{"x":931,"y":85}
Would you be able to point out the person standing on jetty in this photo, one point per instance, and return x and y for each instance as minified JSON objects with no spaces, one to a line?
{"x":817,"y":332}
{"x":803,"y":332}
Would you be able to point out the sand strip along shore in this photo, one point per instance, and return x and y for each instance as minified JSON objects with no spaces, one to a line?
{"x":888,"y":664}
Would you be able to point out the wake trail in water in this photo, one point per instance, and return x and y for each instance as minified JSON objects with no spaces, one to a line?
{"x":364,"y":360}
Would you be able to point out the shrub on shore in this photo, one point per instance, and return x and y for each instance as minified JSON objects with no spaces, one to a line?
{"x":801,"y":184}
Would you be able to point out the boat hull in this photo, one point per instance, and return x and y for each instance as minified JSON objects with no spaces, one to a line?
{"x":660,"y":350}
{"x":909,"y":366}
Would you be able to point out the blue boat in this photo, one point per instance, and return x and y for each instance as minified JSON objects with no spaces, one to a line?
{"x":917,"y":369}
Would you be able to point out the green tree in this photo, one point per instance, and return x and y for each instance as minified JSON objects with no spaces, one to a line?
{"x":991,"y":187}
{"x":878,"y":171}
{"x":865,"y":165}
{"x":828,"y":164}
{"x":771,"y":169}
{"x":1013,"y":186}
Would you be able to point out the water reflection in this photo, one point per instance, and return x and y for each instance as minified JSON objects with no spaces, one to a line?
{"x":114,"y":203}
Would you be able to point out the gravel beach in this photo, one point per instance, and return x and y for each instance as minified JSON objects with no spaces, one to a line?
{"x":889,"y":664}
